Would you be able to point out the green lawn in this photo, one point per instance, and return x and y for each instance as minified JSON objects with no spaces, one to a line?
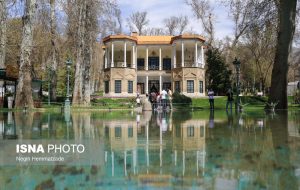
{"x":253,"y":103}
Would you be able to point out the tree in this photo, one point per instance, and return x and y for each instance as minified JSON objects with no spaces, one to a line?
{"x":286,"y":29}
{"x":138,"y":21}
{"x":154,"y":31}
{"x":261,"y":43}
{"x":2,"y":32}
{"x":86,"y":32}
{"x":24,"y":89}
{"x":217,"y":73}
{"x":54,"y":54}
{"x":176,"y":25}
{"x":204,"y":13}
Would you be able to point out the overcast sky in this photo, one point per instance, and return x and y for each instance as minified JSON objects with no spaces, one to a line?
{"x":161,"y":9}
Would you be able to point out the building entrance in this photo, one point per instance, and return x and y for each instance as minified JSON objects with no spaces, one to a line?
{"x":153,"y":86}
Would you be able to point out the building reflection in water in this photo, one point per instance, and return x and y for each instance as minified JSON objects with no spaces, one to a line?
{"x":138,"y":149}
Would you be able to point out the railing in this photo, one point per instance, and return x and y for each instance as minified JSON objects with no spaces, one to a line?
{"x":140,"y":67}
{"x":153,"y":67}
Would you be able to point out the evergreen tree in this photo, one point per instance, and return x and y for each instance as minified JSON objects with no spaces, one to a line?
{"x":217,"y":73}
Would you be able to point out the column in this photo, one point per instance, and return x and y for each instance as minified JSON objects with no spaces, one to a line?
{"x":146,"y":58}
{"x":196,"y":54}
{"x":160,"y":146}
{"x":112,"y":54}
{"x":197,"y":161}
{"x":175,"y":159}
{"x":202,"y":57}
{"x":125,"y":64}
{"x":112,"y":164}
{"x":147,"y":145}
{"x":160,"y":61}
{"x":174,"y":56}
{"x":160,"y":84}
{"x":133,"y":56}
{"x":125,"y":168}
{"x":183,"y":162}
{"x":146,"y":84}
{"x":106,"y":57}
{"x":136,"y":56}
{"x":182,"y":54}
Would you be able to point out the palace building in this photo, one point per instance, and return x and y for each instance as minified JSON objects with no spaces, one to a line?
{"x":142,"y":64}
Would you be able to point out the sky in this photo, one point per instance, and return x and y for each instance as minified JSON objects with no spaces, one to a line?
{"x":158,"y":10}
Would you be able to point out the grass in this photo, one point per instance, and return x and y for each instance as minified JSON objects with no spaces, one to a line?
{"x":220,"y":102}
{"x":253,"y":103}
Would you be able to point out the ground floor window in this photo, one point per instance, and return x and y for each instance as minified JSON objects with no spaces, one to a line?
{"x":190,"y":86}
{"x":130,"y":132}
{"x":118,"y":85}
{"x":201,"y":86}
{"x":106,"y":87}
{"x":177,"y":86}
{"x":118,"y":132}
{"x":190,"y":131}
{"x":130,"y":86}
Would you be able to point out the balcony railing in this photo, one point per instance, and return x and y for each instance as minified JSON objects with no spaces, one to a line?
{"x":153,"y":67}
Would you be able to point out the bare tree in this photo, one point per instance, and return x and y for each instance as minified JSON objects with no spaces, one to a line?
{"x":204,"y":12}
{"x":154,"y":31}
{"x":286,"y":29}
{"x":183,"y":21}
{"x":261,"y":43}
{"x":3,"y":17}
{"x":138,"y":21}
{"x":54,"y":56}
{"x":176,"y":25}
{"x":24,"y":89}
{"x":171,"y":24}
{"x":246,"y":13}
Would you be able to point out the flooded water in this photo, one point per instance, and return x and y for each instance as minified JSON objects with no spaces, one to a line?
{"x":174,"y":150}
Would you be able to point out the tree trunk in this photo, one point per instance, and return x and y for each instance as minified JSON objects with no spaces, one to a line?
{"x":54,"y":55}
{"x":286,"y":29}
{"x":24,"y":89}
{"x":77,"y":90}
{"x":2,"y":33}
{"x":87,"y":55}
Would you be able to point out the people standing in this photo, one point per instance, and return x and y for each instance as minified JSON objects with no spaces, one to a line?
{"x":138,"y":101}
{"x":153,"y":99}
{"x":158,"y":105}
{"x":164,"y":98}
{"x":229,"y":98}
{"x":211,"y":98}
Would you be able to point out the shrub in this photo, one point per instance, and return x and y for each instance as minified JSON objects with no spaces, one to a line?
{"x":181,"y":99}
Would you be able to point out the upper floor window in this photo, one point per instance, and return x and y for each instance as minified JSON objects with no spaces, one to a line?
{"x":167,"y":64}
{"x":140,"y":63}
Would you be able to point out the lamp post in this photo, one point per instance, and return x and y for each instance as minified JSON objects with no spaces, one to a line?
{"x":67,"y":101}
{"x":237,"y":65}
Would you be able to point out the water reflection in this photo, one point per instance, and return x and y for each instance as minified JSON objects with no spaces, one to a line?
{"x":211,"y":150}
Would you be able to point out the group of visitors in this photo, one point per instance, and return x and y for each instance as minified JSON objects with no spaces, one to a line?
{"x":159,"y":101}
{"x":229,"y":95}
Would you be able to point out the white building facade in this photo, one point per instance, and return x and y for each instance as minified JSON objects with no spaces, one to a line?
{"x":142,"y":64}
